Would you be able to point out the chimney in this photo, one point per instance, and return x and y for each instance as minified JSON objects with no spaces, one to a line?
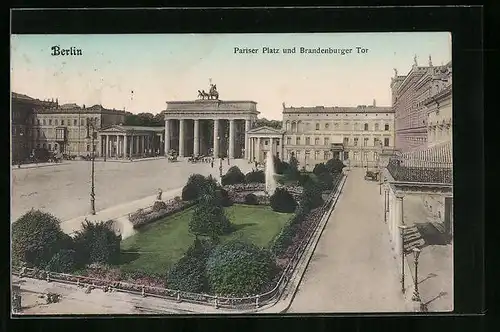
{"x":430,"y":61}
{"x":374,"y":103}
{"x":83,"y":105}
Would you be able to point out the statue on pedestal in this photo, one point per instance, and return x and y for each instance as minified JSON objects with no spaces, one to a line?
{"x":160,"y":192}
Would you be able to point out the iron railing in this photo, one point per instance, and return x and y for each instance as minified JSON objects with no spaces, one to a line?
{"x":235,"y":303}
{"x":415,"y":170}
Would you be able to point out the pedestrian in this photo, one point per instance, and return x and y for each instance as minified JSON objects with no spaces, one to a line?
{"x":212,"y":162}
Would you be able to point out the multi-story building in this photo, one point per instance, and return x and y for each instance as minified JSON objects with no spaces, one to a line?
{"x":65,"y":128}
{"x":22,"y":111}
{"x":357,"y":134}
{"x":412,"y":94}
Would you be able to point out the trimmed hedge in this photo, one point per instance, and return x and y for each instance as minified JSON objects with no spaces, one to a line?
{"x":146,"y":216}
{"x":233,"y":176}
{"x":251,"y":199}
{"x":97,"y":243}
{"x":319,"y":169}
{"x":209,"y":218}
{"x":334,"y":165}
{"x":255,"y":177}
{"x":239,"y":269}
{"x":282,"y":201}
{"x":64,"y":261}
{"x":159,"y":205}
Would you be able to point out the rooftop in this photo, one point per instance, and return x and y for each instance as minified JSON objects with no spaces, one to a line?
{"x":339,"y":109}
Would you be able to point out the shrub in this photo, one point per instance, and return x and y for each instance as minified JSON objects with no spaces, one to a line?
{"x":223,"y":197}
{"x":239,"y":269}
{"x":279,"y":166}
{"x":282,"y":201}
{"x":209,"y":218}
{"x":159,"y":205}
{"x":37,"y":237}
{"x":311,"y":196}
{"x":334,"y":165}
{"x":189,"y":273}
{"x":284,"y":239}
{"x":319,"y":169}
{"x":304,"y":178}
{"x":63,"y":261}
{"x":251,"y":199}
{"x":233,"y":176}
{"x":97,"y":243}
{"x":255,"y":177}
{"x":326,"y":180}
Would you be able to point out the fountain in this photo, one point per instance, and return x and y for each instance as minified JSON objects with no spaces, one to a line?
{"x":270,"y":180}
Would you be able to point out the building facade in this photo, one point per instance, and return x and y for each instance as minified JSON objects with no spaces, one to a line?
{"x":209,"y":127}
{"x":264,"y":140}
{"x":412,"y":99}
{"x":66,"y":128}
{"x":357,"y":135}
{"x":22,"y":120}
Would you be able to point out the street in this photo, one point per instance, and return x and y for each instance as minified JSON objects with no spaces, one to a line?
{"x":64,"y":190}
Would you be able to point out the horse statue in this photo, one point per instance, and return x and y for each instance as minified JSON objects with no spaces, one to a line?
{"x":213,"y":92}
{"x":203,"y":95}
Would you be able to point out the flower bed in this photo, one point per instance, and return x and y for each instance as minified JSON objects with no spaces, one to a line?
{"x":145,"y":216}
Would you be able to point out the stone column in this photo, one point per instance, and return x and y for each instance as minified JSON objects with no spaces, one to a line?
{"x":167,"y":137}
{"x":231,"y":139}
{"x":216,"y":141}
{"x":257,"y":150}
{"x":106,"y":138}
{"x":125,"y":147}
{"x":247,"y":145}
{"x":181,"y":138}
{"x":196,"y":134}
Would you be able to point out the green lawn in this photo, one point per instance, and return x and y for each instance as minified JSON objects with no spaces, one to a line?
{"x":157,"y":246}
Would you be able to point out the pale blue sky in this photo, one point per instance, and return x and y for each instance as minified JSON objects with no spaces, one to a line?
{"x":161,"y":67}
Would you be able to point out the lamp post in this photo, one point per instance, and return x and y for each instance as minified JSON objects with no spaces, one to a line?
{"x":416,"y":294}
{"x":92,"y":159}
{"x":402,"y":229}
{"x":220,"y":160}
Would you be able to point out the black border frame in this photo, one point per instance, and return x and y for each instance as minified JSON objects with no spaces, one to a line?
{"x":466,"y":25}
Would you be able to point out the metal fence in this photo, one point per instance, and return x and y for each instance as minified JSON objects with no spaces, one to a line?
{"x":415,"y":170}
{"x":235,"y":303}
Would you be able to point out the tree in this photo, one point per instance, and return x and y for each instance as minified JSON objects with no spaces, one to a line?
{"x":311,"y":196}
{"x":319,"y":169}
{"x":37,"y":237}
{"x":239,"y":269}
{"x":334,"y":165}
{"x":292,"y":171}
{"x":97,"y":243}
{"x":268,"y":123}
{"x":209,"y":218}
{"x":326,"y":180}
{"x":144,"y":119}
{"x":279,"y":166}
{"x":195,"y":186}
{"x":63,"y":262}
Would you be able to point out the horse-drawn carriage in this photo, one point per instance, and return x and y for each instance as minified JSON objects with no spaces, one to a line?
{"x":199,"y":159}
{"x":172,"y":155}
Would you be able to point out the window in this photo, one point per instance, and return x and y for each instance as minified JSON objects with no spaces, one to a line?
{"x":376,"y":127}
{"x":316,"y":155}
{"x":62,"y":122}
{"x":88,"y":147}
{"x":288,"y":140}
{"x":50,"y":122}
{"x":386,"y":127}
{"x":82,"y":122}
{"x":50,"y":147}
{"x":326,"y":155}
{"x":327,"y":140}
{"x":375,"y":142}
{"x":56,"y":122}
{"x":386,"y":141}
{"x":75,"y":122}
{"x":346,"y":141}
{"x":38,"y":145}
{"x":375,"y":155}
{"x":336,"y":125}
{"x":38,"y":121}
{"x":327,"y":125}
{"x":44,"y":122}
{"x":317,"y":126}
{"x":297,"y":155}
{"x":297,"y":140}
{"x":307,"y":154}
{"x":308,"y":140}
{"x":366,"y":126}
{"x":355,"y":141}
{"x":316,"y":141}
{"x":277,"y":142}
{"x":266,"y":142}
{"x":365,"y":141}
{"x":44,"y":145}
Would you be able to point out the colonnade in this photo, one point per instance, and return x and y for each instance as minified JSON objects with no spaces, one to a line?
{"x":127,"y":145}
{"x":181,"y":128}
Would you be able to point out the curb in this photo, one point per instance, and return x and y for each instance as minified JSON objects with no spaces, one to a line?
{"x":39,"y":166}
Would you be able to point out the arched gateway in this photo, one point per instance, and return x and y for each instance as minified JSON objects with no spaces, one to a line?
{"x":207,"y":127}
